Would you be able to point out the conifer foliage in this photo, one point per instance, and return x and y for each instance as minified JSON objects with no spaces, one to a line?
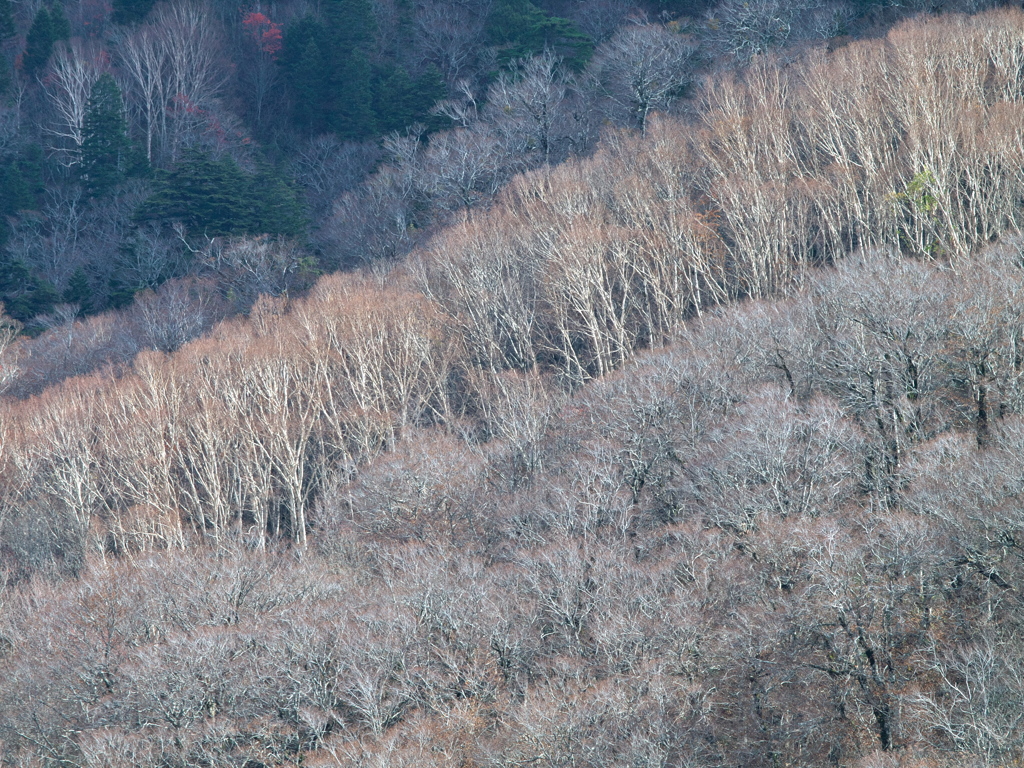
{"x":339,"y":86}
{"x":328,"y":62}
{"x":131,"y":11}
{"x":214,"y":197}
{"x":49,"y":26}
{"x":520,"y":29}
{"x":6,"y":19}
{"x":106,"y":147}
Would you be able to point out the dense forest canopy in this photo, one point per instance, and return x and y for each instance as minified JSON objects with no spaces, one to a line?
{"x":505,"y":383}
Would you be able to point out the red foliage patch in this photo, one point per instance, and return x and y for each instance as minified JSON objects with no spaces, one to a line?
{"x":266,"y":33}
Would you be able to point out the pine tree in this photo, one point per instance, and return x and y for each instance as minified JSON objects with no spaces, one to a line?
{"x":327,"y":61}
{"x":78,"y":291}
{"x":49,"y":26}
{"x":520,"y":29}
{"x":352,"y":104}
{"x":39,"y":42}
{"x":23,"y":294}
{"x":119,"y":293}
{"x":215,"y":197}
{"x":276,"y":208}
{"x":349,"y":27}
{"x":6,"y":20}
{"x":399,"y":101}
{"x":59,"y":23}
{"x":21,"y":184}
{"x":306,"y":72}
{"x":131,"y":11}
{"x":105,"y":147}
{"x":207,"y":195}
{"x":350,"y":24}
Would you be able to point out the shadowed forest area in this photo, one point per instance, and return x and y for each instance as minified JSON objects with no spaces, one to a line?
{"x":601,"y":425}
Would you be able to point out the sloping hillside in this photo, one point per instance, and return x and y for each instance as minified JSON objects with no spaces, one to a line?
{"x":789,"y":537}
{"x":700,"y":451}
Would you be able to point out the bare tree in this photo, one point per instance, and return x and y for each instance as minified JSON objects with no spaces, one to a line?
{"x":481,"y":277}
{"x":977,"y":708}
{"x":449,"y":34}
{"x":644,"y":68}
{"x":144,"y":60}
{"x":535,"y":102}
{"x":76,"y":68}
{"x":599,"y":19}
{"x":746,"y":29}
{"x":326,"y":168}
{"x":10,"y":329}
{"x":463,"y":166}
{"x":176,"y":313}
{"x":191,"y":41}
{"x":173,"y":74}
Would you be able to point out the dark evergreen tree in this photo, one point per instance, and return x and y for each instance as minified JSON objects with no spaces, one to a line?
{"x":49,"y":26}
{"x":350,"y":23}
{"x":119,"y":293}
{"x":520,"y":30}
{"x":305,"y":65}
{"x":351,"y":97}
{"x":327,"y":62}
{"x":59,"y":23}
{"x":22,"y":179}
{"x":21,"y":187}
{"x":276,"y":206}
{"x":350,"y":27}
{"x":23,"y":294}
{"x":335,"y":87}
{"x":131,"y":11}
{"x":215,"y":197}
{"x":78,"y":291}
{"x":105,"y":148}
{"x":399,"y":101}
{"x":6,"y":20}
{"x":207,"y":195}
{"x":21,"y":184}
{"x":393,"y":98}
{"x":38,"y":43}
{"x":429,"y":88}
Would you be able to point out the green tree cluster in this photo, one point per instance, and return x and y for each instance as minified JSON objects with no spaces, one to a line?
{"x":520,"y":30}
{"x":108,"y":156}
{"x":48,"y":26}
{"x":21,"y":186}
{"x":215,"y":197}
{"x":131,"y":11}
{"x":337,"y":84}
{"x":6,"y":20}
{"x":25,"y":295}
{"x":78,"y":291}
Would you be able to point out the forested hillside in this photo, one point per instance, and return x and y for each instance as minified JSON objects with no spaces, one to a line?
{"x":192,"y":156}
{"x":134,"y":133}
{"x":662,"y":405}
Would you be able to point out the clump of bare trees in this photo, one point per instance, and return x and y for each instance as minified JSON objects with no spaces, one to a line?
{"x":727,"y":551}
